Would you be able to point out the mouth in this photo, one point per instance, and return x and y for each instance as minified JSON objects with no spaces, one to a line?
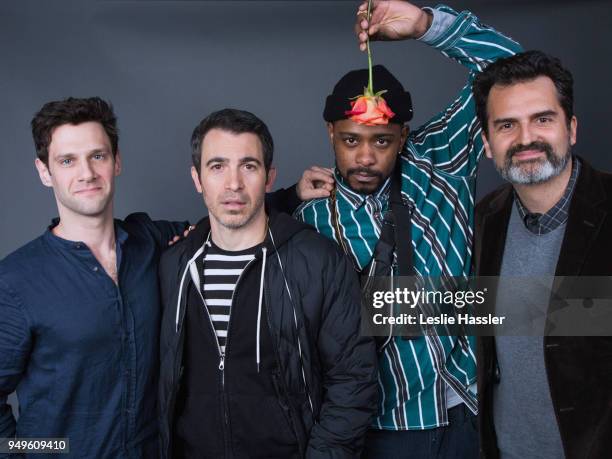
{"x":365,"y":178}
{"x":233,"y":204}
{"x":88,"y":191}
{"x":528,"y":155}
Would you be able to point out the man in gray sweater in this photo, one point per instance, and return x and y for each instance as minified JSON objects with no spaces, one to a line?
{"x":540,"y":396}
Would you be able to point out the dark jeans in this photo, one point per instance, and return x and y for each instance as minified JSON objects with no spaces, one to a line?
{"x":458,"y":440}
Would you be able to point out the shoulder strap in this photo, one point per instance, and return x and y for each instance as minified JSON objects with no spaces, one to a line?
{"x":401,"y":216}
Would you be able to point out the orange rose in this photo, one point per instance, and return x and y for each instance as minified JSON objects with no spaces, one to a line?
{"x":370,"y":111}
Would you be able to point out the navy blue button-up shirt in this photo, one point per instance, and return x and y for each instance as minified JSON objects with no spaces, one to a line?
{"x":81,"y":351}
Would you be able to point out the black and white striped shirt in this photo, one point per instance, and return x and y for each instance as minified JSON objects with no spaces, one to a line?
{"x":222,"y":269}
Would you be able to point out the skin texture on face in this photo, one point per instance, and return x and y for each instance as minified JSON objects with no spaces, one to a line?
{"x":81,"y":170}
{"x":529,"y":138}
{"x":233,"y":179}
{"x":366,"y":155}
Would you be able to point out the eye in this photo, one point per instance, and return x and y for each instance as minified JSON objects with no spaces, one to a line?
{"x":99,"y":156}
{"x":350,"y":141}
{"x":382,"y":142}
{"x":66,"y":162}
{"x":505,"y":126}
{"x":544,"y":119}
{"x":250,"y":167}
{"x":216,"y":167}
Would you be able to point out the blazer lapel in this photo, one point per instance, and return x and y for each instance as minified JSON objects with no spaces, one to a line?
{"x":493,"y":233}
{"x":583,"y":224}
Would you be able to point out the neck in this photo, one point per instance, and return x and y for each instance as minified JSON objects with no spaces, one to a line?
{"x":234,"y":239}
{"x":541,"y":197}
{"x":97,"y":232}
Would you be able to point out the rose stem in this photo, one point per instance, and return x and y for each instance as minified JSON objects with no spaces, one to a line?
{"x":370,"y":77}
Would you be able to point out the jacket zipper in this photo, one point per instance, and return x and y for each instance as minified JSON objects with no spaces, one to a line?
{"x":222,"y":354}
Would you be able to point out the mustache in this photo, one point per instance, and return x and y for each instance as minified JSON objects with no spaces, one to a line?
{"x":365,"y":171}
{"x":536,"y":145}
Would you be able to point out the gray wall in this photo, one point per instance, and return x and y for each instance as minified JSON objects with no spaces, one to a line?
{"x":166,"y":64}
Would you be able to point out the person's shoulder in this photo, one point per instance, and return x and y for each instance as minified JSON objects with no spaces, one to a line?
{"x":316,"y":204}
{"x":493,"y":199}
{"x":26,"y":258}
{"x":315,"y":246}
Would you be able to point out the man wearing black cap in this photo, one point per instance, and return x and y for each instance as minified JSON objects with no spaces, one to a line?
{"x":427,"y":385}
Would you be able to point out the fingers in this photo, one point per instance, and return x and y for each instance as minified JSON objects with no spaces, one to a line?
{"x":361,"y":25}
{"x":174,"y":239}
{"x":315,"y":193}
{"x":316,"y":182}
{"x":319,"y":174}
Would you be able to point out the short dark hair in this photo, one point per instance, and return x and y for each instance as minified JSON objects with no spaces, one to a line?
{"x":72,"y":111}
{"x":234,"y":121}
{"x":519,"y":68}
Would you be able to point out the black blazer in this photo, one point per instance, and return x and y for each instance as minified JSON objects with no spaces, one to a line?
{"x":579,"y":369}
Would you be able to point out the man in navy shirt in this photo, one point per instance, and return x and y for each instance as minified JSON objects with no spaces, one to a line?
{"x":79,"y":306}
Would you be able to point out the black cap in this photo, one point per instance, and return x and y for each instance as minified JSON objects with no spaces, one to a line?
{"x":351,"y":85}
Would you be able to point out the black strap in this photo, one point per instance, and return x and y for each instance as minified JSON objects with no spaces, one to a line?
{"x":397,"y":225}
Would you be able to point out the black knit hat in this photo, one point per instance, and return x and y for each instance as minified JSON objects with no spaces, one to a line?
{"x":352,"y":84}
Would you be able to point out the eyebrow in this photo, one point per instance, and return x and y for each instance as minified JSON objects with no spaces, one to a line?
{"x":246,"y":159}
{"x":535,"y":115}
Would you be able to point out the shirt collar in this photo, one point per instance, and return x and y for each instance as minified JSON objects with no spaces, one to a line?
{"x":121,"y":236}
{"x":545,"y":223}
{"x":355,"y":199}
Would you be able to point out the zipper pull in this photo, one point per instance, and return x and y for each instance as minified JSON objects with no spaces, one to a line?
{"x":222,"y":363}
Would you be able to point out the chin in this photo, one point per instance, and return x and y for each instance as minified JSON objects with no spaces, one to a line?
{"x":365,"y":189}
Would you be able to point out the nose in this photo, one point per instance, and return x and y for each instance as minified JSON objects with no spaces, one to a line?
{"x":526,"y":135}
{"x":87,"y":172}
{"x":365,"y":156}
{"x":234,"y":180}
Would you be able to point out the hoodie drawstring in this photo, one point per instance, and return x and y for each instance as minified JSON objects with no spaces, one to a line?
{"x":261,"y":287}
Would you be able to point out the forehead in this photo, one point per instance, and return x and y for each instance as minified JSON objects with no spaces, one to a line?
{"x":78,"y":138}
{"x":230,"y":145}
{"x":348,"y":126}
{"x":522,"y":99}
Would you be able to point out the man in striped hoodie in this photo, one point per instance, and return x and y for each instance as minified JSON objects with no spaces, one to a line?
{"x":427,"y":385}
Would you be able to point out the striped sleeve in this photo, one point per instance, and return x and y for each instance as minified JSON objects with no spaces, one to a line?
{"x":451,"y":140}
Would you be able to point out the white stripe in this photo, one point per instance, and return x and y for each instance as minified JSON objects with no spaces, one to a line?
{"x":487,"y":43}
{"x":458,"y":28}
{"x":435,"y":364}
{"x":361,"y":235}
{"x":397,"y":388}
{"x":218,"y":302}
{"x":405,"y":377}
{"x":222,"y":272}
{"x":214,"y":257}
{"x":219,"y":317}
{"x":219,"y":286}
{"x":417,"y":364}
{"x":221,"y":333}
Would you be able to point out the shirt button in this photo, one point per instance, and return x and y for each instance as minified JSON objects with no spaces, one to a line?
{"x":95,"y":268}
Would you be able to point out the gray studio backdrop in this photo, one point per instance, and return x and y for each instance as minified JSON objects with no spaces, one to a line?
{"x":166,"y":64}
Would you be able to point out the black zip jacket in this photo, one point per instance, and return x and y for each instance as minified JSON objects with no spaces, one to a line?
{"x":323,"y":372}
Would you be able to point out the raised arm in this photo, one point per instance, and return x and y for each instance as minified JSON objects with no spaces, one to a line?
{"x":451,"y":139}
